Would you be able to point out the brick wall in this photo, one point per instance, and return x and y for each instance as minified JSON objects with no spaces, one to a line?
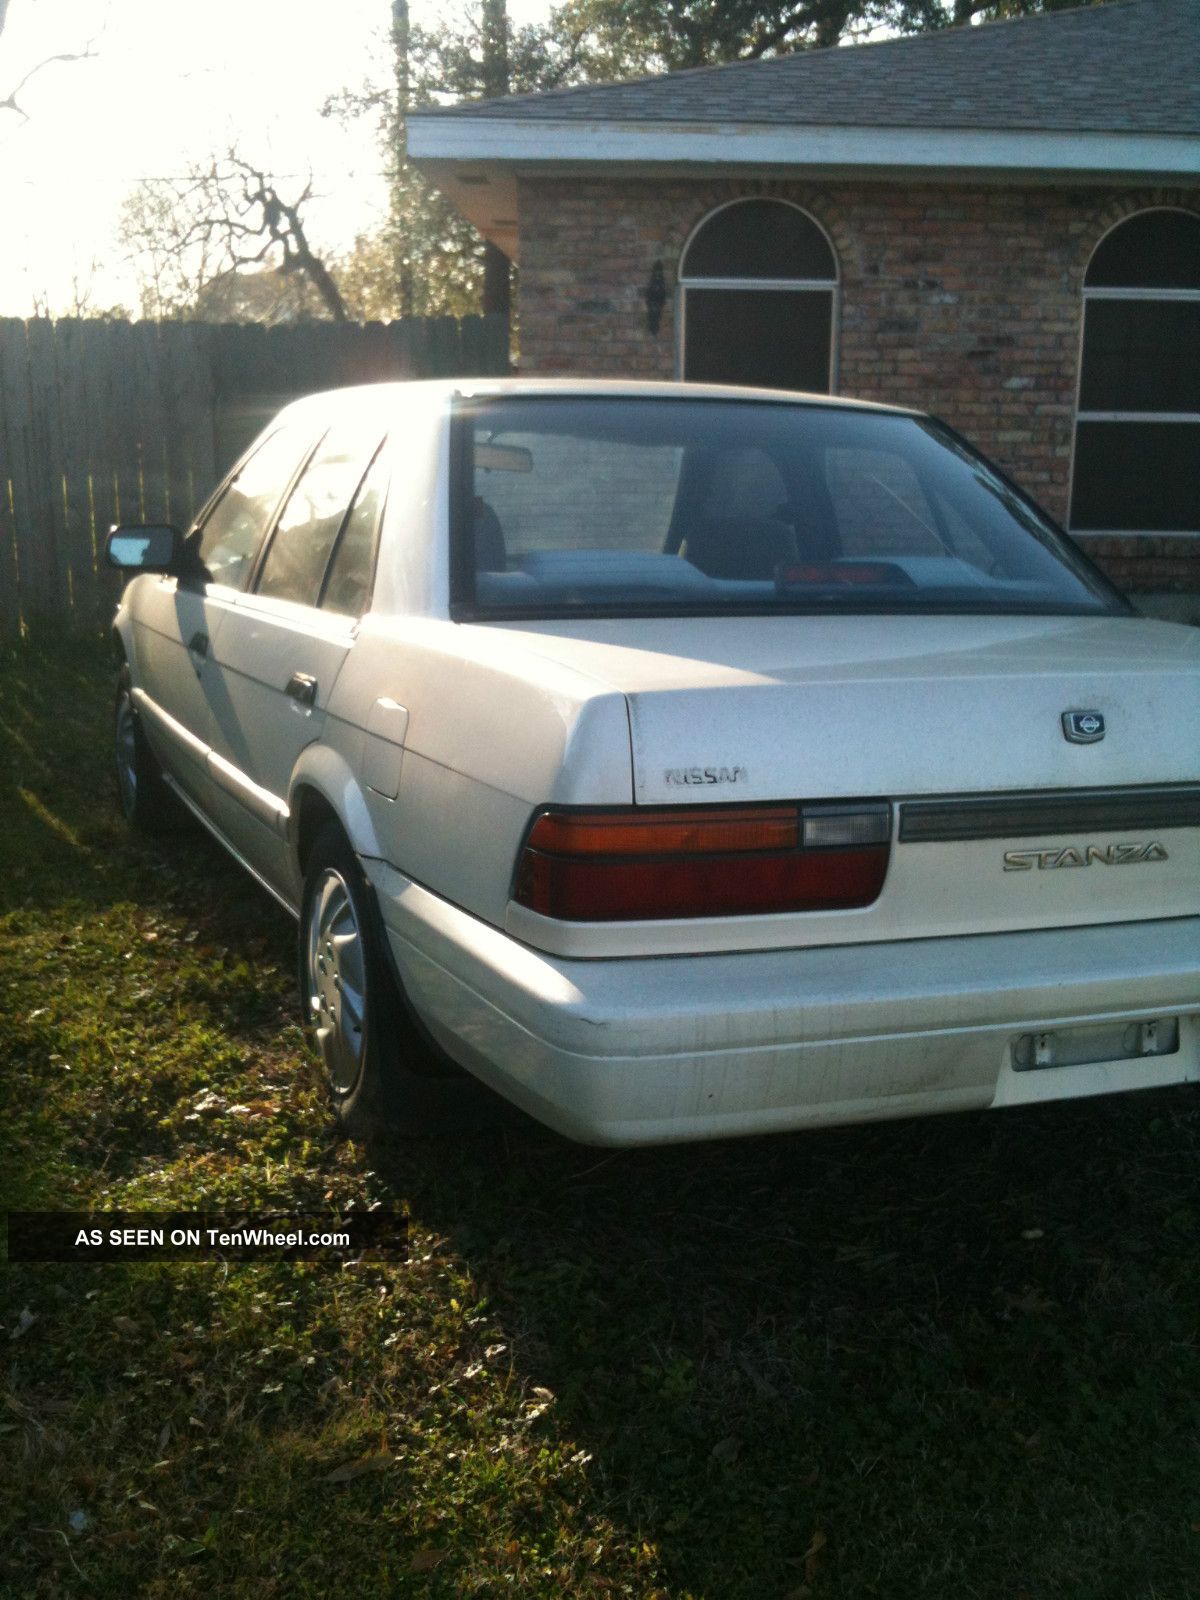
{"x":963,"y":301}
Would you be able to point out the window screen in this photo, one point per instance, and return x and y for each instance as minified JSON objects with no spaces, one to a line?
{"x":1141,"y":355}
{"x":757,"y":286}
{"x":1158,"y":249}
{"x":759,"y":239}
{"x":1137,"y":435}
{"x":1137,"y":476}
{"x":769,"y":338}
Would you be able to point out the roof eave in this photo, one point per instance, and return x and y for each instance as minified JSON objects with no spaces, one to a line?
{"x":476,"y":160}
{"x":476,"y":139}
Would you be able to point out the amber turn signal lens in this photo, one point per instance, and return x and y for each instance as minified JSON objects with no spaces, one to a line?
{"x":683,"y":832}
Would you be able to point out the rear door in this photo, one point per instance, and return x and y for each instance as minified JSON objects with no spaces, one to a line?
{"x":282,"y":643}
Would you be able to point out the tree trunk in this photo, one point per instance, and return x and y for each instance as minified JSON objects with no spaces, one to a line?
{"x":497,"y":269}
{"x":400,"y":36}
{"x":318,"y":275}
{"x":497,"y":281}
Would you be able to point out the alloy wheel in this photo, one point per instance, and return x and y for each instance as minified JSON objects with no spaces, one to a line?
{"x":126,"y":735}
{"x":337,"y":988}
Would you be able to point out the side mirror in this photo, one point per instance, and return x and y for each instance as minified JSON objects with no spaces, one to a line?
{"x":149,"y":547}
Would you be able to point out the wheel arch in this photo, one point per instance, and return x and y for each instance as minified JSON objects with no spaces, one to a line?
{"x":325,"y":788}
{"x":120,"y":638}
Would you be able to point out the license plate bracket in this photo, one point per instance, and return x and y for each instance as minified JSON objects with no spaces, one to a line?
{"x":1146,"y":1039}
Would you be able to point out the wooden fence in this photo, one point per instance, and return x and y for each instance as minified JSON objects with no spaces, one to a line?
{"x":104,"y":422}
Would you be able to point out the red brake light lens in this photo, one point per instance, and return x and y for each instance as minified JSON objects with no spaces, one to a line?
{"x":635,"y":865}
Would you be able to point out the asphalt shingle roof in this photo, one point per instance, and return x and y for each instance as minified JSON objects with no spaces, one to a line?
{"x":1130,"y":66}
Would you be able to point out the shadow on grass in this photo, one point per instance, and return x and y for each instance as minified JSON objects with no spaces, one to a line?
{"x":951,"y":1356}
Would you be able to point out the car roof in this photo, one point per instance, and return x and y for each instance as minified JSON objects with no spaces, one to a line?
{"x":385,"y":395}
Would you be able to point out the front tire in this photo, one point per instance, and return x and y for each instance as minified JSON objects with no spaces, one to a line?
{"x":382,"y":1076}
{"x":147,"y":803}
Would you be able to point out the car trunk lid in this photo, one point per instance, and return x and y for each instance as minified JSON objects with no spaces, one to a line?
{"x":1001,"y":821}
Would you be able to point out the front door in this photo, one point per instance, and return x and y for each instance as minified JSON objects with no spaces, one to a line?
{"x":176,"y":621}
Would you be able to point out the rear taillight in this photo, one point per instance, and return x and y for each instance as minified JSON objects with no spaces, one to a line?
{"x":719,"y":861}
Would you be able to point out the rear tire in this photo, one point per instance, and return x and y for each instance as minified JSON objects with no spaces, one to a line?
{"x":382,"y":1076}
{"x":146,"y":801}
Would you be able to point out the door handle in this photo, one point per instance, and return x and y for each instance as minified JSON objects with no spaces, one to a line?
{"x":198,"y":645}
{"x":302,"y":687}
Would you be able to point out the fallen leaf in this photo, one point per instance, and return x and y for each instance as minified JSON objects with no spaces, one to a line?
{"x":24,"y":1322}
{"x":816,"y":1544}
{"x":379,"y":1461}
{"x":426,"y":1560}
{"x":1030,"y":1301}
{"x":126,"y":1325}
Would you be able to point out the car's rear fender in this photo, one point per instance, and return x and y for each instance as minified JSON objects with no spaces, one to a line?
{"x":325,"y":777}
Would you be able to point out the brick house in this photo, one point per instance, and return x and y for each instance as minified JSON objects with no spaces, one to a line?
{"x":998,"y":224}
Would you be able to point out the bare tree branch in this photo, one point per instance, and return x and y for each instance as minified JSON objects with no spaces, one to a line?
{"x":223,"y":217}
{"x":10,"y":101}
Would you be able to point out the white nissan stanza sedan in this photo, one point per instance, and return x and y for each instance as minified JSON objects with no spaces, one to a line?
{"x":681,"y":762}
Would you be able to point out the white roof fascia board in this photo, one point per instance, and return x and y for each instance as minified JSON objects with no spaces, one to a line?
{"x":728,"y":145}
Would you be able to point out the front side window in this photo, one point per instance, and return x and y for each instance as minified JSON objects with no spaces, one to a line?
{"x":619,"y":506}
{"x":310,"y":521}
{"x":234,"y":528}
{"x":1137,"y":436}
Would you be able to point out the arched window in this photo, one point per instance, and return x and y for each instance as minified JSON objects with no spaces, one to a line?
{"x":757,"y":292}
{"x":1137,"y":433}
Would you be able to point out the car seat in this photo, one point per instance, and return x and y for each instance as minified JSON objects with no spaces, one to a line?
{"x":739,"y":547}
{"x":490,"y":552}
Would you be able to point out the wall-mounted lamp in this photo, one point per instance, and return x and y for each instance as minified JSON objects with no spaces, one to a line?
{"x":655,"y":297}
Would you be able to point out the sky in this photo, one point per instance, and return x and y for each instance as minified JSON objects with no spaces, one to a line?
{"x":171,"y":83}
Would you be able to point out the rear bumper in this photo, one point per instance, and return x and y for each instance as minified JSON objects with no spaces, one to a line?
{"x":651,"y":1050}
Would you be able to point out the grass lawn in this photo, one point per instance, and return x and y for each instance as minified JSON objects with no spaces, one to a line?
{"x":943,"y":1358}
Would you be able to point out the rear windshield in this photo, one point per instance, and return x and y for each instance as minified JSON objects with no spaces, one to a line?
{"x":617,"y":506}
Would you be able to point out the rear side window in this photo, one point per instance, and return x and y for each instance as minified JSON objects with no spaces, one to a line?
{"x":234,"y":528}
{"x":312,"y":517}
{"x":348,"y":587}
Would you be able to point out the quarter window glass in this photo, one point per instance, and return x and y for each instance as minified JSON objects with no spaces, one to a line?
{"x":234,"y":529}
{"x":349,"y":587}
{"x":309,"y":522}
